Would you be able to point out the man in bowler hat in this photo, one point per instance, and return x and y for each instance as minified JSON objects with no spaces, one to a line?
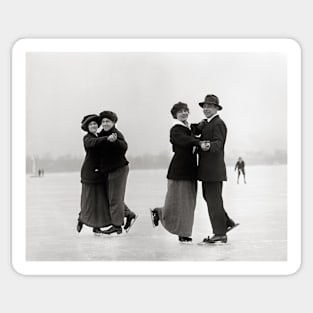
{"x":212,"y":169}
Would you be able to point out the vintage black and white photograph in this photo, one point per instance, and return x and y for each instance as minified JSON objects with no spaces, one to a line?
{"x":156,"y":156}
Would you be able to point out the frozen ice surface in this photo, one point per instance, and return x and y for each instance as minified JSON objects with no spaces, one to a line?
{"x":260,"y":206}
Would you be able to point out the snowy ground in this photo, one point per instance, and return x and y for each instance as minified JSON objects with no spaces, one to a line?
{"x":260,"y":207}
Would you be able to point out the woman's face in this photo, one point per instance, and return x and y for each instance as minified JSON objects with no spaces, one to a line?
{"x":182,"y":115}
{"x":93,"y":127}
{"x":107,"y":124}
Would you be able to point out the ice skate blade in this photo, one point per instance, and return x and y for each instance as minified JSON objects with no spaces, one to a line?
{"x":152,"y":218}
{"x":201,"y":243}
{"x":220,"y":243}
{"x":212,"y":244}
{"x":132,"y":223}
{"x":232,"y":227}
{"x":98,"y":234}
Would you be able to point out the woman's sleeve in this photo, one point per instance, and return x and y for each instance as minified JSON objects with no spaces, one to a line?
{"x":120,"y":142}
{"x":179,"y":138}
{"x":93,"y":142}
{"x":197,"y":128}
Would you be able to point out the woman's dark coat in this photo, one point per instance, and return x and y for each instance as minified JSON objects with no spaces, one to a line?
{"x":183,"y":165}
{"x":112,"y":154}
{"x":90,"y":171}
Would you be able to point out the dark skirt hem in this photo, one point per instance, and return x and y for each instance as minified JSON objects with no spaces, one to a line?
{"x":94,"y":206}
{"x":177,"y":214}
{"x":95,"y":226}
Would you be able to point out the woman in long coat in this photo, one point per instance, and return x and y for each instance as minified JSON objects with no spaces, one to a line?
{"x":177,"y":215}
{"x":114,"y":166}
{"x":94,"y":202}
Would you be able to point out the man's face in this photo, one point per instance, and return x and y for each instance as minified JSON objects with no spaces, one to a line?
{"x":107,"y":124}
{"x":209,"y":109}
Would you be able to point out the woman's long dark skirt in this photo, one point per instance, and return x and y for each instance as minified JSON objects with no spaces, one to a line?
{"x":116,"y":193}
{"x":177,"y":215}
{"x":95,"y":211}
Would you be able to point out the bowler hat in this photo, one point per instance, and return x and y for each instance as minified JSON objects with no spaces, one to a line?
{"x":211,"y":99}
{"x":89,"y":118}
{"x":108,"y":114}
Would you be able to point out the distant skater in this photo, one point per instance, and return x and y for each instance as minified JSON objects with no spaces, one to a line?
{"x":212,"y":169}
{"x":177,"y":214}
{"x":41,"y":172}
{"x":240,"y":167}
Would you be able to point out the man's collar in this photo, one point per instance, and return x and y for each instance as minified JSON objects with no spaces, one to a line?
{"x":211,"y":118}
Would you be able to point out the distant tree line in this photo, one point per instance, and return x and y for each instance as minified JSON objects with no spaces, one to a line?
{"x":70,"y":163}
{"x":64,"y":163}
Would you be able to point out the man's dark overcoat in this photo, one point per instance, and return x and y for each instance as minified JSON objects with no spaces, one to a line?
{"x":211,"y":166}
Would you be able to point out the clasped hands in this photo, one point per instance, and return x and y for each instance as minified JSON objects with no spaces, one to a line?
{"x":205,"y":145}
{"x":112,"y":137}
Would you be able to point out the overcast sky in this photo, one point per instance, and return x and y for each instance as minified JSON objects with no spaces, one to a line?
{"x":142,"y":87}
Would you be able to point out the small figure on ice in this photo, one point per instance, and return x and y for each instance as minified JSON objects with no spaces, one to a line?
{"x":240,"y":167}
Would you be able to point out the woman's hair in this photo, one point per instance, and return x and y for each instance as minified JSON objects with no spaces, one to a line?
{"x":177,"y":107}
{"x":108,"y":114}
{"x":87,"y":119}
